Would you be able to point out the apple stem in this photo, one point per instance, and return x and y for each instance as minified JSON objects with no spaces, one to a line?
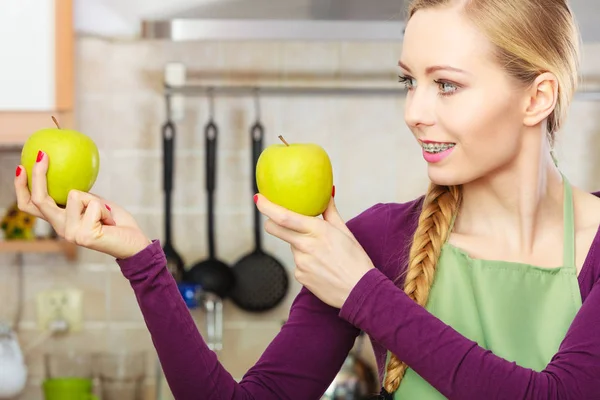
{"x":283,"y":140}
{"x":55,"y":122}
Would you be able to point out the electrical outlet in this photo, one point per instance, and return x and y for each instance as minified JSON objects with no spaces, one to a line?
{"x":60,"y":310}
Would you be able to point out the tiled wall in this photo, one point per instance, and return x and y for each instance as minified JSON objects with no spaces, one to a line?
{"x":121,"y":107}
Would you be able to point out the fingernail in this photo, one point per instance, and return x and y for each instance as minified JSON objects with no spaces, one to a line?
{"x":18,"y":172}
{"x":40,"y":156}
{"x":255,"y":198}
{"x":333,"y":192}
{"x":107,"y":207}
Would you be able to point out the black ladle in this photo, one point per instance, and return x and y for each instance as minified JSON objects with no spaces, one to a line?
{"x":175,"y":263}
{"x":212,"y":274}
{"x":261,"y":280}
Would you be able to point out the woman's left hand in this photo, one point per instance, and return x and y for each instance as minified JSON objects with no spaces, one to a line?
{"x":329,"y":260}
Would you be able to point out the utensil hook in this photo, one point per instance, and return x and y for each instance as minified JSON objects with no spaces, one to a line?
{"x":211,"y":127}
{"x":211,"y":103}
{"x":257,"y":104}
{"x":168,"y":106}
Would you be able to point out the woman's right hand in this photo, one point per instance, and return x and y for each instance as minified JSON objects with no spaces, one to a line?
{"x":87,"y":220}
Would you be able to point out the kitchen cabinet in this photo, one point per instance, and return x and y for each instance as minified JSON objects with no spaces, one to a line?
{"x":37,"y":68}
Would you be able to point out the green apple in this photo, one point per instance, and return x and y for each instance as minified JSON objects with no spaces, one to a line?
{"x":296,"y":176}
{"x":74,"y":160}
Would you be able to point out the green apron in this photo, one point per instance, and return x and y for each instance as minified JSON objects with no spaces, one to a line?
{"x":519,"y":312}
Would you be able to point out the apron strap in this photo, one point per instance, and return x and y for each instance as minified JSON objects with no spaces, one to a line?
{"x":568,"y":226}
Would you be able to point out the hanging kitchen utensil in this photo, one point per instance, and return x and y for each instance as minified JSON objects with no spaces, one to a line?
{"x":261,"y":281}
{"x":212,"y":274}
{"x":356,"y":380}
{"x":213,"y":306}
{"x":175,"y":263}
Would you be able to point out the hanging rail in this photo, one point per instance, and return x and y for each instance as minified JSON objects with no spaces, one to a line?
{"x":284,"y":90}
{"x":202,"y":90}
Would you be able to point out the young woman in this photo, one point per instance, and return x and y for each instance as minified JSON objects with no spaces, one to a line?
{"x":484,"y":288}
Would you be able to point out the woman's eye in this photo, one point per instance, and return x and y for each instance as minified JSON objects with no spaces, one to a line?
{"x":408,"y":82}
{"x":446,"y":88}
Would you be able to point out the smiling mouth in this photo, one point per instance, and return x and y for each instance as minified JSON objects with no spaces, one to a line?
{"x":436,"y":147}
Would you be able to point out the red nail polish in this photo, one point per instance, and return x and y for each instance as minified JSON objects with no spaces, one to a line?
{"x":18,"y":172}
{"x":333,"y":192}
{"x":107,"y":207}
{"x":40,"y":156}
{"x":255,"y":198}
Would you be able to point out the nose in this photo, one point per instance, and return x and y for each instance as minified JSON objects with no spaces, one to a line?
{"x":419,"y":108}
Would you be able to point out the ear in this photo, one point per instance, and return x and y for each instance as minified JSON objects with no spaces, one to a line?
{"x":541,"y":99}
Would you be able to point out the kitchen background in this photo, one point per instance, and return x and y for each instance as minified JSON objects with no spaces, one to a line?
{"x":118,"y":100}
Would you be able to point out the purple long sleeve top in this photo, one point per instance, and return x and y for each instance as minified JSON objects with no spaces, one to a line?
{"x":302,"y":360}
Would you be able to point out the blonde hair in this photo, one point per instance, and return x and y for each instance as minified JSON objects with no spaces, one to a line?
{"x":531,"y":37}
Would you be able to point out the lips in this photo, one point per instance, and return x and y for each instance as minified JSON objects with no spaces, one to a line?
{"x":434,"y":142}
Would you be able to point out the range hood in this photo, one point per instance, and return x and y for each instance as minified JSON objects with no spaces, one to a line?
{"x":333,"y":20}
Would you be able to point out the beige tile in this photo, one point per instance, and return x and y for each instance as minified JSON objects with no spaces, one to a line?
{"x":243,"y":347}
{"x":310,"y":62}
{"x":590,"y":59}
{"x":8,"y":164}
{"x":33,"y":352}
{"x":251,"y":62}
{"x":371,"y":165}
{"x":87,"y":256}
{"x":120,"y":121}
{"x":149,"y":392}
{"x":102,"y":185}
{"x":306,"y":119}
{"x":199,"y":57}
{"x":31,"y":392}
{"x":47,"y":259}
{"x":91,"y":63}
{"x":128,"y":336}
{"x":144,"y":188}
{"x":234,"y":191}
{"x":152,"y":225}
{"x":122,"y":303}
{"x":117,"y":67}
{"x":9,"y":287}
{"x":86,"y":341}
{"x":370,"y":118}
{"x":369,"y":58}
{"x":92,"y":281}
{"x":577,"y":144}
{"x":132,"y":338}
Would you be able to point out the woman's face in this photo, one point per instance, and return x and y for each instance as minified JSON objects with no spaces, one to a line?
{"x":464,"y":110}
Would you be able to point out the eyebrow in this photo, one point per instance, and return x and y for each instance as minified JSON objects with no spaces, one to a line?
{"x":434,"y":68}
